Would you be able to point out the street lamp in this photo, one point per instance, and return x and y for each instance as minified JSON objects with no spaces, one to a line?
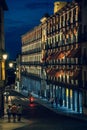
{"x":11,"y":65}
{"x":5,"y":56}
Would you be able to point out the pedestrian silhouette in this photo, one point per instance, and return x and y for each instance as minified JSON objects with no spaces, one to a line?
{"x":19,"y":112}
{"x":9,"y":113}
{"x":14,"y":112}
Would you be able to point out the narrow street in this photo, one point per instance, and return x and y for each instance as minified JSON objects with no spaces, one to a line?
{"x":41,"y":118}
{"x":43,"y":65}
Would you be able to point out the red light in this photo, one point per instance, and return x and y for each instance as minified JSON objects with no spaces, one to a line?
{"x":31,"y":105}
{"x":31,"y":99}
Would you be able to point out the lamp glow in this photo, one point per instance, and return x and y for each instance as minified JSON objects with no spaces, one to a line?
{"x":4,"y":56}
{"x":10,"y":65}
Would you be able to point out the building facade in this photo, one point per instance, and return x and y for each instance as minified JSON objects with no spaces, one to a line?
{"x":17,"y":73}
{"x":63,"y":56}
{"x":83,"y":39}
{"x":3,"y":7}
{"x":31,"y":60}
{"x":57,"y":68}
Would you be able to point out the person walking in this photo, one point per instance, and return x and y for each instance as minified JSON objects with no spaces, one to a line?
{"x":14,"y":112}
{"x":19,"y":112}
{"x":9,"y":113}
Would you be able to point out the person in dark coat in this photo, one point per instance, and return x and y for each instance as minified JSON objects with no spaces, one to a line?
{"x":19,"y":112}
{"x":14,"y":112}
{"x":9,"y":113}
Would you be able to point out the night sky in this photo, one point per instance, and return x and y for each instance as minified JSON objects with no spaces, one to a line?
{"x":23,"y":15}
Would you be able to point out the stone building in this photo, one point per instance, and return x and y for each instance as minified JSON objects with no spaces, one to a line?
{"x":3,"y":7}
{"x":53,"y":56}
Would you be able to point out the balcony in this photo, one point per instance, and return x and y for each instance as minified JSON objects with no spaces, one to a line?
{"x":36,"y":50}
{"x":61,"y":82}
{"x":35,"y":63}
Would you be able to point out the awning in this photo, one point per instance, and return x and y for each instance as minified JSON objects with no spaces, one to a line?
{"x":67,"y":53}
{"x":56,"y":55}
{"x":74,"y":53}
{"x":59,"y":73}
{"x":50,"y":56}
{"x":61,"y":55}
{"x":48,"y":70}
{"x":52,"y":72}
{"x":75,"y":74}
